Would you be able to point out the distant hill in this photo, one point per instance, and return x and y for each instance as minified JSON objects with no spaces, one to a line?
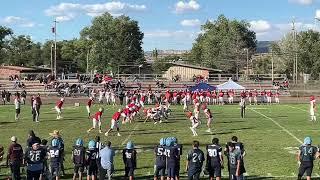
{"x":263,"y":46}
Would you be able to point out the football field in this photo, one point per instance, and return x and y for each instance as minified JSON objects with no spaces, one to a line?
{"x":271,"y":135}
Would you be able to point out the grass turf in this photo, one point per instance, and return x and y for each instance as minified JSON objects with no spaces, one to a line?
{"x":270,"y":134}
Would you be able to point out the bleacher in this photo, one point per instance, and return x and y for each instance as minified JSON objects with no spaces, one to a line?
{"x":35,"y":87}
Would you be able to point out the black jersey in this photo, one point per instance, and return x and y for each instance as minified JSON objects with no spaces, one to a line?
{"x":307,"y":153}
{"x":195,"y":158}
{"x":213,"y":155}
{"x":55,"y":156}
{"x":129,"y":157}
{"x":172,"y":155}
{"x":91,"y":157}
{"x":234,"y":157}
{"x":78,"y":154}
{"x":35,"y":159}
{"x":160,"y":155}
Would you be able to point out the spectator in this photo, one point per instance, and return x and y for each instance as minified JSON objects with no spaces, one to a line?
{"x":32,"y":139}
{"x":107,"y":154}
{"x":3,"y":95}
{"x":23,"y":96}
{"x":15,"y":158}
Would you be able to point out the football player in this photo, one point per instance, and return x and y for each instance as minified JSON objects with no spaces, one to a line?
{"x":313,"y":108}
{"x":58,"y":107}
{"x":208,"y":114}
{"x":55,"y":156}
{"x":129,"y":157}
{"x":195,"y":159}
{"x":78,"y":158}
{"x":96,"y":121}
{"x":34,"y":158}
{"x":172,"y":155}
{"x":214,"y":163}
{"x":306,"y":155}
{"x":160,"y":165}
{"x":195,"y":123}
{"x":115,"y":123}
{"x":89,"y":104}
{"x":91,"y":157}
{"x":234,"y":156}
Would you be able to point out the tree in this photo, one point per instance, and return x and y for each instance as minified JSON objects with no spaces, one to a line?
{"x":115,"y":42}
{"x":4,"y":32}
{"x":222,"y":44}
{"x":19,"y":50}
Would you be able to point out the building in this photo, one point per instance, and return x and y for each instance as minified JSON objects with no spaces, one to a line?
{"x":6,"y":71}
{"x":187,"y":72}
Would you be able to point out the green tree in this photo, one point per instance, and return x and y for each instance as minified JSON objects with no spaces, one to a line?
{"x":222,"y":44}
{"x":115,"y":41}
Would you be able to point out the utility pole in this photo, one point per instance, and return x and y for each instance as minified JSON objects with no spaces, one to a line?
{"x":294,"y":74}
{"x":272,"y":71}
{"x":55,"y":48}
{"x":51,"y":59}
{"x":247,"y":62}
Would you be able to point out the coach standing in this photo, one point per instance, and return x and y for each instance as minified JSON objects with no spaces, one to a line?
{"x":107,"y":154}
{"x":242,"y":108}
{"x":14,"y":158}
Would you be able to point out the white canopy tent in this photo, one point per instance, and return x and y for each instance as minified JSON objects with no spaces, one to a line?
{"x":230,"y":85}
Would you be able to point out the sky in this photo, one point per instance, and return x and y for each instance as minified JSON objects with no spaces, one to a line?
{"x":166,"y":24}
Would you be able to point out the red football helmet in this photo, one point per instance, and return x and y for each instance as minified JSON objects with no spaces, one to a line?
{"x":189,"y":114}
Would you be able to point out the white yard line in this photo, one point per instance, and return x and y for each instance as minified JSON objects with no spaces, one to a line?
{"x":135,"y":128}
{"x":301,"y":109}
{"x":276,"y":123}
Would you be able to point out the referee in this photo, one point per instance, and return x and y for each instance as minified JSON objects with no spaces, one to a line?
{"x":242,"y":107}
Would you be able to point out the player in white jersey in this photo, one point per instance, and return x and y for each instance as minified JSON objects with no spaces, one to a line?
{"x":195,"y":123}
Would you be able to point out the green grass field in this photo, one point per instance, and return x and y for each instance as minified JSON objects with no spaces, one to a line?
{"x":271,"y":134}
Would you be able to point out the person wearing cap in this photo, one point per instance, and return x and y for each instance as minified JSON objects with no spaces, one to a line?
{"x":129,"y":157}
{"x":306,"y":155}
{"x":32,"y":138}
{"x":96,"y":121}
{"x":15,"y":158}
{"x":56,"y":135}
{"x":107,"y":154}
{"x":34,"y":158}
{"x":58,"y":107}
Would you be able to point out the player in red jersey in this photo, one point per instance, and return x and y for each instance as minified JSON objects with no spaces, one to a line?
{"x":255,"y":97}
{"x":313,"y":108}
{"x":276,"y":97}
{"x":115,"y":123}
{"x":269,"y":97}
{"x":58,"y":107}
{"x":89,"y":104}
{"x":208,"y":114}
{"x":250,"y":97}
{"x":221,"y":94}
{"x":96,"y":120}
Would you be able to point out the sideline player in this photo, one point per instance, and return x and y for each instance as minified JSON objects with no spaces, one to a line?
{"x":195,"y":159}
{"x":17,"y":104}
{"x":313,"y":108}
{"x":55,"y":156}
{"x":115,"y":123}
{"x":306,"y":155}
{"x":96,"y":121}
{"x":129,"y":157}
{"x":214,"y":163}
{"x":58,"y":107}
{"x":160,"y":164}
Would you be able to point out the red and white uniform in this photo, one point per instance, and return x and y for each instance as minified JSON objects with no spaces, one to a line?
{"x":250,"y":97}
{"x":276,"y":97}
{"x":269,"y":97}
{"x":208,"y":97}
{"x":89,"y":104}
{"x":231,"y":95}
{"x":255,"y":97}
{"x":115,"y":120}
{"x":142,"y":100}
{"x":312,"y":105}
{"x":196,"y":108}
{"x":59,"y":105}
{"x":214,"y":97}
{"x":97,"y":119}
{"x":221,"y":94}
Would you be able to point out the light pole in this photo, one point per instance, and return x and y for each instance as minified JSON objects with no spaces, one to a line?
{"x":272,"y":76}
{"x":51,"y":60}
